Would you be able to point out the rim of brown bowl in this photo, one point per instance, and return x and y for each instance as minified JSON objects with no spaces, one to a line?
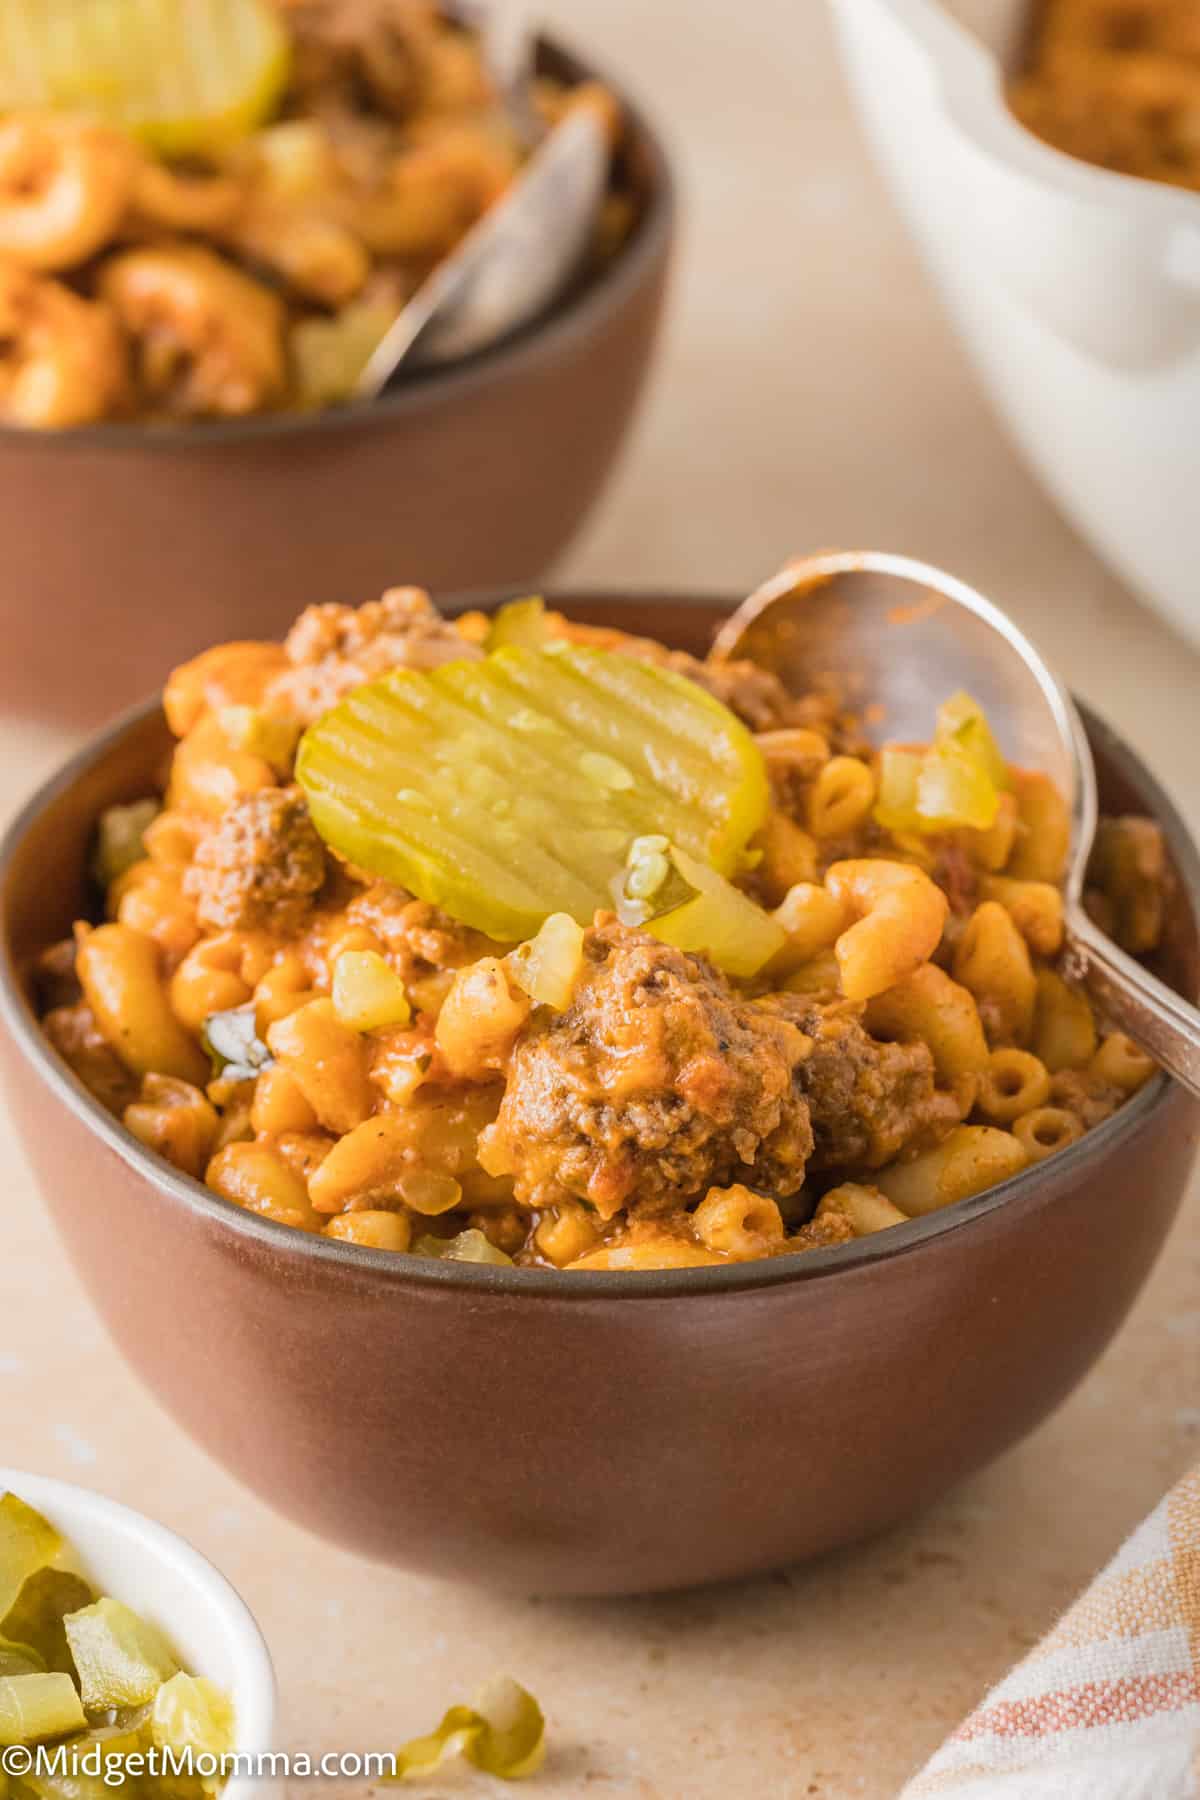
{"x":600,"y":292}
{"x":479,"y":1279}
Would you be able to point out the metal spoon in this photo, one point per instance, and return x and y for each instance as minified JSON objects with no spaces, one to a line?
{"x":509,"y":42}
{"x":893,"y":634}
{"x":513,"y":264}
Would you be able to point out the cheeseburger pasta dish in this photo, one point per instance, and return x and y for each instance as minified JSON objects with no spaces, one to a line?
{"x":513,"y":940}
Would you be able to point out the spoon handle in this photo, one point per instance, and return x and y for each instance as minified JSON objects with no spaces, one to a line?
{"x":510,"y":55}
{"x":1165,"y":1025}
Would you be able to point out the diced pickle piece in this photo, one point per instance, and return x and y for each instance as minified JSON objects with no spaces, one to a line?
{"x":193,"y":1714}
{"x":954,"y":789}
{"x":367,"y":992}
{"x":19,"y":1659}
{"x":520,"y":625}
{"x":262,"y":734}
{"x":113,"y":1743}
{"x":89,"y":1767}
{"x":329,"y":355}
{"x":121,"y":1659}
{"x":34,"y":1708}
{"x":502,"y":1732}
{"x":37,"y":1617}
{"x":899,"y":774}
{"x":67,"y":1782}
{"x":713,"y":918}
{"x":507,"y":789}
{"x":549,"y":965}
{"x":962,"y":721}
{"x":120,"y":838}
{"x":468,"y":1246}
{"x":952,"y":784}
{"x":27,"y":1543}
{"x":513,"y":1743}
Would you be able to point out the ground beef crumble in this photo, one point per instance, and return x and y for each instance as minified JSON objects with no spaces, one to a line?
{"x":74,"y":1033}
{"x":656,"y":1083}
{"x":417,"y":938}
{"x":867,"y":1100}
{"x":334,"y":649}
{"x":260,"y":866}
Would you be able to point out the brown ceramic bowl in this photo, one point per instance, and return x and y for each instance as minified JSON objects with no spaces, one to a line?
{"x":587,"y":1433}
{"x":128,"y":548}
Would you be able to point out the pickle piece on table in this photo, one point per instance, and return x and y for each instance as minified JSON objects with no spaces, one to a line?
{"x":122,"y":1660}
{"x":508,"y":789}
{"x":35,"y":1708}
{"x":502,"y":1732}
{"x":27,"y":1543}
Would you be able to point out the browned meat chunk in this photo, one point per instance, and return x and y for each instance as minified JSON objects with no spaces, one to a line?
{"x":54,"y":975}
{"x":868,"y":1100}
{"x":1090,"y":1099}
{"x":82,"y":1045}
{"x":958,"y":878}
{"x":259,"y":867}
{"x":654,"y":1085}
{"x":1129,"y":878}
{"x":333,"y":649}
{"x":361,"y":52}
{"x":756,"y":695}
{"x":821,"y":1234}
{"x":419,"y":940}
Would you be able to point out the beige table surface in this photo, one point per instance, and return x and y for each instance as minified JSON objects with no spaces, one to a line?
{"x":809,"y":394}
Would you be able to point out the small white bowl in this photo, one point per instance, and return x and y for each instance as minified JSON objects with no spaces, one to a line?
{"x":1076,"y":289}
{"x":177,"y":1589}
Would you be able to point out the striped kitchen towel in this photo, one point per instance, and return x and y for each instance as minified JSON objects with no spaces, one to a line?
{"x":1108,"y":1705}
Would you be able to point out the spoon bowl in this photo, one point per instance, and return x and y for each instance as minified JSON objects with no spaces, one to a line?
{"x":885,"y":633}
{"x":513,"y":264}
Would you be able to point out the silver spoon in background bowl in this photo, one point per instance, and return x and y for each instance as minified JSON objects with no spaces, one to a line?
{"x":888,"y":633}
{"x":524,"y":252}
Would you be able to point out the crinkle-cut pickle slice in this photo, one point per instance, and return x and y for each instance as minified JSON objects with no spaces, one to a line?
{"x":185,"y":76}
{"x":510,"y":788}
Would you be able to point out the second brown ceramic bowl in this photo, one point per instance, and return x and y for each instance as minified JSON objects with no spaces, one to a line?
{"x":571,"y":1432}
{"x":127,"y":549}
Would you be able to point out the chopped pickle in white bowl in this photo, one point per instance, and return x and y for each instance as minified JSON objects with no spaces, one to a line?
{"x":118,"y":1640}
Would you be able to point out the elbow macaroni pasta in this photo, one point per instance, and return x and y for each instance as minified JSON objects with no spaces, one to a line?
{"x":840,"y":798}
{"x":255,"y":269}
{"x":334,"y":1055}
{"x":971,"y":1158}
{"x":992,"y":963}
{"x":899,"y":916}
